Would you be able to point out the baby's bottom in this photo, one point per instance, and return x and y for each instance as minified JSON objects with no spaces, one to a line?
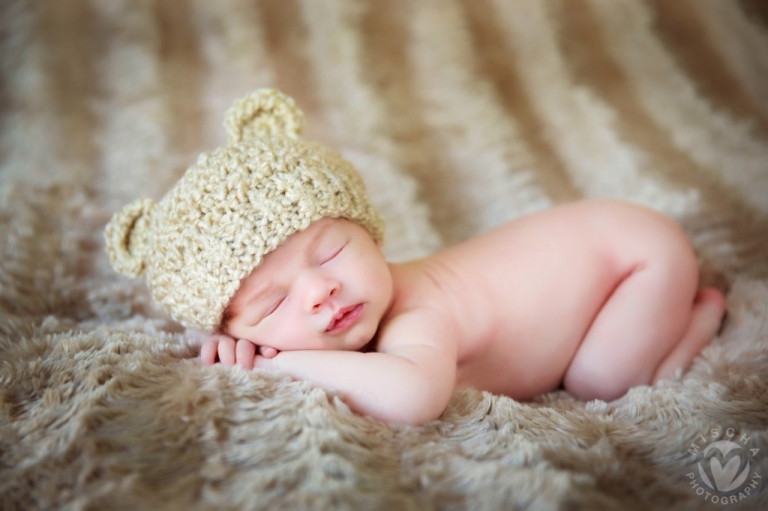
{"x":649,"y":327}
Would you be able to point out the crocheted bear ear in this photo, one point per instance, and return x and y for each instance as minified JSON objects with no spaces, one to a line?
{"x":263,"y":113}
{"x":126,"y":237}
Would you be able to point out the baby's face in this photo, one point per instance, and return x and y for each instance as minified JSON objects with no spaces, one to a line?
{"x":326,"y":287}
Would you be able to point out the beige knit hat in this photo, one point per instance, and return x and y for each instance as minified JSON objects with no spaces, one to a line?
{"x":232,"y":207}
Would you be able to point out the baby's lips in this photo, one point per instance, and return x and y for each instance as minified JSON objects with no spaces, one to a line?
{"x":340,"y":316}
{"x":336,"y":316}
{"x":331,"y":323}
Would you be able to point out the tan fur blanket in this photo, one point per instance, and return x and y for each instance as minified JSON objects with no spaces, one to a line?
{"x":461,"y":115}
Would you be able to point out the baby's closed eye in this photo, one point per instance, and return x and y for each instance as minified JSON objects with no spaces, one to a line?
{"x":272,"y":308}
{"x":275,"y":305}
{"x":264,"y":309}
{"x":330,"y":255}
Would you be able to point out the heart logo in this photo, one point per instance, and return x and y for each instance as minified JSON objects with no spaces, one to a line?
{"x":726,"y":477}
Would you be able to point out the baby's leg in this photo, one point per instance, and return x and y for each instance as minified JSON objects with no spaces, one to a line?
{"x":648,"y":328}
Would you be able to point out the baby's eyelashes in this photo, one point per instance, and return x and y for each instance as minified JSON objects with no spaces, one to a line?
{"x":273,"y":307}
{"x":258,"y":316}
{"x":333,"y":253}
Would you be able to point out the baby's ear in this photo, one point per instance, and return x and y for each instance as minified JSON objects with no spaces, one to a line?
{"x":261,"y":114}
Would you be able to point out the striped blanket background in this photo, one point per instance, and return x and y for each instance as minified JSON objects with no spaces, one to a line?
{"x":460,"y":114}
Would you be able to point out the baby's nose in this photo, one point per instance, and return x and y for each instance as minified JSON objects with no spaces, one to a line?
{"x":320,"y":292}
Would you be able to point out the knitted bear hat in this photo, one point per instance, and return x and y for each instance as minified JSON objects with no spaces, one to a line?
{"x":232,"y":207}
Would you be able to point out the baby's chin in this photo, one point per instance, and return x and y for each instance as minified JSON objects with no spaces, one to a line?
{"x":353,"y":341}
{"x":360,"y":343}
{"x":348,"y":345}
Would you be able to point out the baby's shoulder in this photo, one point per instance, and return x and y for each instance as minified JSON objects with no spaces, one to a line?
{"x":414,"y":325}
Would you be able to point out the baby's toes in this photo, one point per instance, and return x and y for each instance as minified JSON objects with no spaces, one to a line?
{"x":711,"y":297}
{"x":711,"y":302}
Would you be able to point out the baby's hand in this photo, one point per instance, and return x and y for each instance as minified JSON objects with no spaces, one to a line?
{"x":230,"y":351}
{"x":267,"y":352}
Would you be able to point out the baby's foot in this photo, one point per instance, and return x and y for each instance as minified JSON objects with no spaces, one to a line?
{"x":709,"y":309}
{"x":706,"y":319}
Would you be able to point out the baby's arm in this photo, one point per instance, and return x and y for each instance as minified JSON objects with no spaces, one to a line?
{"x":408,"y":381}
{"x":410,"y":388}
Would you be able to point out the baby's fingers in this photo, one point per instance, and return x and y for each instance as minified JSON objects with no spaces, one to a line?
{"x":267,"y":352}
{"x":208,"y":351}
{"x":226,"y":350}
{"x":245,"y":353}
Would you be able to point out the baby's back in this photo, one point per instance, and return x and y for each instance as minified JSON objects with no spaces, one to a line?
{"x":523,"y":295}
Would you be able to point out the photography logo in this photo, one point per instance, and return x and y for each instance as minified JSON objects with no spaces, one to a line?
{"x":724,"y":473}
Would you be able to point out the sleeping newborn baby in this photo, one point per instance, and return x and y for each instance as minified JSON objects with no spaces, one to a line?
{"x":271,"y":244}
{"x":599,"y":296}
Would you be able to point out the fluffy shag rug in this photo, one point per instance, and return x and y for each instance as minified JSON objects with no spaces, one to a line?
{"x":460,"y":115}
